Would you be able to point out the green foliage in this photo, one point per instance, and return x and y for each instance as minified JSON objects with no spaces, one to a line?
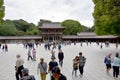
{"x":21,"y":25}
{"x":18,"y":28}
{"x":26,"y":28}
{"x":87,"y":29}
{"x":2,"y":9}
{"x":72,"y":27}
{"x":107,"y":17}
{"x":7,"y":28}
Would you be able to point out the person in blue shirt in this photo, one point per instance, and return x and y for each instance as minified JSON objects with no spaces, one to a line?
{"x":107,"y":61}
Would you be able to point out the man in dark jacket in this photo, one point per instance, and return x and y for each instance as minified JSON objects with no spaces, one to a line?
{"x":60,"y":57}
{"x":57,"y":74}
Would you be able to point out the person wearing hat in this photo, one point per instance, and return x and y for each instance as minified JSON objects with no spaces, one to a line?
{"x":26,"y":76}
{"x":57,"y":74}
{"x":42,"y":68}
{"x":52,"y":64}
{"x":19,"y":66}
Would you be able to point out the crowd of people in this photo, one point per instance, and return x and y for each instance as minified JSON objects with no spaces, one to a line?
{"x":52,"y":68}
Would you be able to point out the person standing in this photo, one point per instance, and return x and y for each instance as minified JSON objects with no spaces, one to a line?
{"x":19,"y":66}
{"x":107,"y":61}
{"x":42,"y":68}
{"x":57,"y":75}
{"x":82,"y":61}
{"x":116,"y":65}
{"x":52,"y":64}
{"x":60,"y":57}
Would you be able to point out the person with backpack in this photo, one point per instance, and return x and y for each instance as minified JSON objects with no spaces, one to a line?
{"x":107,"y":62}
{"x":82,"y":61}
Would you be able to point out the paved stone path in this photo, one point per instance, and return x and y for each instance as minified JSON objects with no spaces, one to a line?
{"x":93,"y":70}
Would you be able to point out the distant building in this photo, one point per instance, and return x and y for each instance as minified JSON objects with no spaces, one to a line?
{"x":51,"y":31}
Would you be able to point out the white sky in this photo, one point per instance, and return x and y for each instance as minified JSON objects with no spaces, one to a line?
{"x":54,"y":10}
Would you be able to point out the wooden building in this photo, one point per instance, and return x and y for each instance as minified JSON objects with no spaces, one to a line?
{"x":51,"y":31}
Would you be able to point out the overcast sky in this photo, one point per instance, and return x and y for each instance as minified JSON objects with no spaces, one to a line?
{"x":54,"y":10}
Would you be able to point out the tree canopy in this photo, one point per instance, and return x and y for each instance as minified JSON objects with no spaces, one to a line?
{"x":2,"y":9}
{"x":72,"y":27}
{"x":18,"y":28}
{"x":107,"y":17}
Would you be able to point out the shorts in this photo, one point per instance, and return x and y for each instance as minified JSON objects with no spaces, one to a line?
{"x":108,"y":66}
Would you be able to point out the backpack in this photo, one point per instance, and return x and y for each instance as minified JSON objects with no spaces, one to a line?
{"x":105,"y":59}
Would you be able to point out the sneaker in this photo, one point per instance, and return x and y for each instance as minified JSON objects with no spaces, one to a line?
{"x":81,"y":76}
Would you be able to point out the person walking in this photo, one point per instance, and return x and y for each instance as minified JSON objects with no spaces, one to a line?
{"x":42,"y":68}
{"x":75,"y":65}
{"x":19,"y":66}
{"x":29,"y":54}
{"x":60,"y":57}
{"x":52,"y":64}
{"x":6,"y":47}
{"x":34,"y":54}
{"x":57,"y":75}
{"x":116,"y":65}
{"x":107,"y":61}
{"x":53,"y":52}
{"x":82,"y":61}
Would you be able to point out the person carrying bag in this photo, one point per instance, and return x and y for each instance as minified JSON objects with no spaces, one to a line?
{"x":42,"y":68}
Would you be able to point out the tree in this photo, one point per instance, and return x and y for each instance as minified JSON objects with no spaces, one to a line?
{"x":2,"y":9}
{"x":107,"y":17}
{"x":87,"y":29}
{"x":18,"y":28}
{"x":7,"y":28}
{"x":33,"y":30}
{"x":72,"y":27}
{"x":26,"y":28}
